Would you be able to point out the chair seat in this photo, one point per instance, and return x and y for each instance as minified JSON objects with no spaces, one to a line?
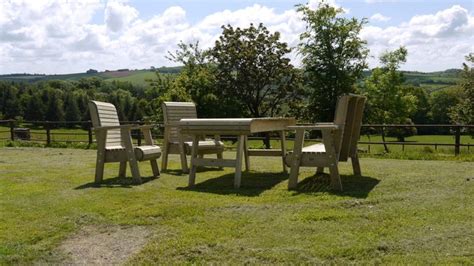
{"x":142,"y":153}
{"x":315,"y":148}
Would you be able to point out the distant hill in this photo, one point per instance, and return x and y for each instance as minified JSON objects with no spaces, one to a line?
{"x":431,"y":81}
{"x":135,"y":76}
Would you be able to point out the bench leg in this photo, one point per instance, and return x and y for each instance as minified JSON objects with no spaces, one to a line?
{"x":154,"y":168}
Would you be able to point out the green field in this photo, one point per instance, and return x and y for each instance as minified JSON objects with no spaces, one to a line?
{"x":399,"y":212}
{"x":79,"y":135}
{"x":432,"y":81}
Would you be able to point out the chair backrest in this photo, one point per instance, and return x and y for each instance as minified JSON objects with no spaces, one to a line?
{"x":172,"y":113}
{"x":105,"y":114}
{"x":349,"y":110}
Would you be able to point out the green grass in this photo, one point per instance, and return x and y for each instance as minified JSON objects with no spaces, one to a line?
{"x":417,"y":212}
{"x":62,"y":138}
{"x":137,"y":78}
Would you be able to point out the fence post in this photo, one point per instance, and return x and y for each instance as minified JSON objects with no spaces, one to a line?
{"x":457,"y":140}
{"x":48,"y":133}
{"x":89,"y":132}
{"x":12,"y":129}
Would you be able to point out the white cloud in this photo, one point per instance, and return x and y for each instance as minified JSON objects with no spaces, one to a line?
{"x":434,"y":42}
{"x":61,"y":37}
{"x":379,"y":17}
{"x":118,"y":16}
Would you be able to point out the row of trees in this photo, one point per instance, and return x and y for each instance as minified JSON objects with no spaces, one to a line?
{"x":246,"y":73}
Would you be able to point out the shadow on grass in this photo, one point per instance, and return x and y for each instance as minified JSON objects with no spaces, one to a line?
{"x":117,"y":182}
{"x":252,"y":184}
{"x":179,"y":172}
{"x":353,"y":186}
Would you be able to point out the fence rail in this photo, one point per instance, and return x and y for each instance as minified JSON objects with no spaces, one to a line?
{"x":49,"y":126}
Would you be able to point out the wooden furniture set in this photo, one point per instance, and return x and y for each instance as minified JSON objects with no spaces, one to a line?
{"x":185,"y":135}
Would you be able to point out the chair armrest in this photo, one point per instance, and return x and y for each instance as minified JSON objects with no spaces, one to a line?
{"x":318,"y":126}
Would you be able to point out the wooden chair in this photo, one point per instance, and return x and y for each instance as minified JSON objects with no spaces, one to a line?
{"x":114,"y":142}
{"x":176,"y":143}
{"x":339,"y":142}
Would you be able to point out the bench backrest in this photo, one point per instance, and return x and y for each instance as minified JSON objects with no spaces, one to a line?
{"x":172,"y":113}
{"x":349,"y":111}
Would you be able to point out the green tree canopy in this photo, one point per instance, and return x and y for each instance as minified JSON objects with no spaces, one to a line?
{"x":253,"y":75}
{"x":463,"y":113}
{"x":388,"y":101}
{"x":334,"y":57}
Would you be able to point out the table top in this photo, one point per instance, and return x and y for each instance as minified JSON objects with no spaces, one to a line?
{"x":235,"y":125}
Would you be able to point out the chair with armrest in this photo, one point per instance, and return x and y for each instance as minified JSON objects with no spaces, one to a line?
{"x":176,"y":143}
{"x":114,"y":142}
{"x":339,"y":142}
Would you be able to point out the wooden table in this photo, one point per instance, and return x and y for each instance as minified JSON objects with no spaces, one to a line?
{"x":240,"y":127}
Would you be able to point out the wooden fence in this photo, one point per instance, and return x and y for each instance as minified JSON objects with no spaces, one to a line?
{"x":47,"y":126}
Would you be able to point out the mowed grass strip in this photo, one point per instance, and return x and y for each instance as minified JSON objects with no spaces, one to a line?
{"x":400,"y":211}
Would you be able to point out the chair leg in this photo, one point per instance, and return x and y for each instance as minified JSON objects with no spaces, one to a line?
{"x":154,"y":168}
{"x":122,"y":169}
{"x":164,"y":160}
{"x":184,"y":162}
{"x":99,"y":168}
{"x":356,"y":165}
{"x":336,"y":183}
{"x":319,"y":170}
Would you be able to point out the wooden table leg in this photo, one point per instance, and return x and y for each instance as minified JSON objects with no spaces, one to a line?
{"x":238,"y":161}
{"x":283,"y":150}
{"x":194,"y":153}
{"x":246,"y":153}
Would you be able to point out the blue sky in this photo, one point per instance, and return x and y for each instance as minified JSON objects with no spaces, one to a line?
{"x":66,"y":36}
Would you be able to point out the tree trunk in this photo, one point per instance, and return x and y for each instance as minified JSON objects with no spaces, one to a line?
{"x":383,"y":140}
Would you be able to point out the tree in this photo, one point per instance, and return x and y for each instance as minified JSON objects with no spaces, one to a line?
{"x":54,"y":108}
{"x":162,"y":89}
{"x":197,"y":78}
{"x":334,"y":57}
{"x":422,"y":114}
{"x":72,"y":112}
{"x":463,"y":113}
{"x":441,"y":103}
{"x":253,"y":75}
{"x":388,"y":101}
{"x":9,"y":103}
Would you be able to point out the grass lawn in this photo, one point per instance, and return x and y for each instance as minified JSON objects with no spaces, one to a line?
{"x":400,"y":211}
